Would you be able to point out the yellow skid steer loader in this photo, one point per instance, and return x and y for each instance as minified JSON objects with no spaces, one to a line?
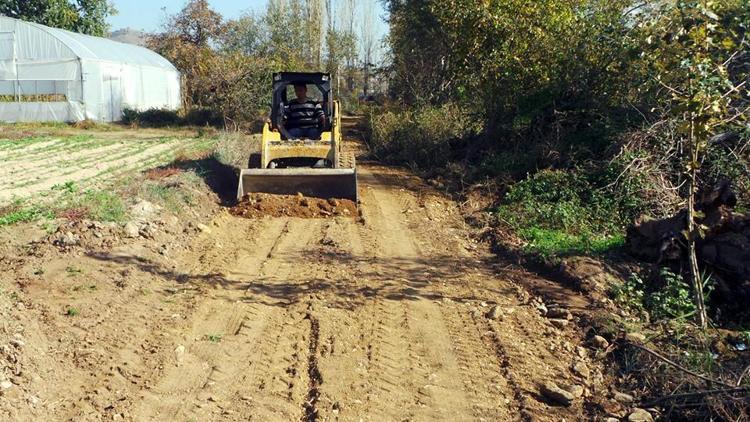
{"x":313,"y":167}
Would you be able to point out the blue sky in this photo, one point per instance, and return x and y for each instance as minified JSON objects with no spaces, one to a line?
{"x":148,"y":15}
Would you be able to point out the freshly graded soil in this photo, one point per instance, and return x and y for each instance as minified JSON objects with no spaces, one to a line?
{"x":258,"y":205}
{"x":400,"y":314}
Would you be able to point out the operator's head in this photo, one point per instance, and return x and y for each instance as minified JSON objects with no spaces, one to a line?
{"x":300,"y":90}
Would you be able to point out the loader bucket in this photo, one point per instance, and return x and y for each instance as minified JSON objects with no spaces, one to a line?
{"x":317,"y":183}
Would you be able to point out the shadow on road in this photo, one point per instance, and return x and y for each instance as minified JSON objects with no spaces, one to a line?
{"x":349,"y":282}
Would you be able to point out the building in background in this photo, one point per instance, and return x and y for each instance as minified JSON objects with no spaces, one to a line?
{"x":49,"y":74}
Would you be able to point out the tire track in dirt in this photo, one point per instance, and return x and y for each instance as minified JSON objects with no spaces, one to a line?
{"x":313,"y":372}
{"x":446,"y":348}
{"x":513,"y":346}
{"x":254,"y":369}
{"x":176,"y":390}
{"x":275,"y":384}
{"x":403,"y":355}
{"x":132,"y":329}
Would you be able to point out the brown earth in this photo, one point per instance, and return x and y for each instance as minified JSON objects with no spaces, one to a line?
{"x":398,"y":315}
{"x":258,"y":205}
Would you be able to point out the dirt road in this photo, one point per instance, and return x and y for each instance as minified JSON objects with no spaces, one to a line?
{"x":290,"y":319}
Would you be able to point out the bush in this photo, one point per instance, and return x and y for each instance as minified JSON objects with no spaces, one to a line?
{"x":567,"y":200}
{"x":419,"y":137}
{"x":665,"y":297}
{"x":673,"y":300}
{"x":201,"y":116}
{"x":581,"y":210}
{"x":153,"y":117}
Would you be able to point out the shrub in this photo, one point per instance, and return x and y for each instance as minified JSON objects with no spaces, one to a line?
{"x":566,"y":200}
{"x":665,"y":297}
{"x":580,"y":210}
{"x":153,"y":117}
{"x":420,"y":137}
{"x":673,"y":300}
{"x":234,"y":149}
{"x":201,"y":116}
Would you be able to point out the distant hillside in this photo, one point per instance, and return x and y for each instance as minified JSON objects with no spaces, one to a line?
{"x":128,"y":35}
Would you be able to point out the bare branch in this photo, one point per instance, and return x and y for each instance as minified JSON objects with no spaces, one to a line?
{"x":742,"y":375}
{"x":732,"y":390}
{"x":680,"y":367}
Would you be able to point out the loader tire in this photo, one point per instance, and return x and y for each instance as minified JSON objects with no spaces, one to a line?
{"x":254,"y":161}
{"x":347,"y":160}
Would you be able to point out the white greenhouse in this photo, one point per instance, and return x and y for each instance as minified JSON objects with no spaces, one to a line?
{"x":49,"y":74}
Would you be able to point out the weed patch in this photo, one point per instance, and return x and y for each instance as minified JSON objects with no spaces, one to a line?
{"x":562,"y":212}
{"x":23,"y":215}
{"x":664,"y":297}
{"x":549,"y":242}
{"x":214,"y":338}
{"x":104,"y":205}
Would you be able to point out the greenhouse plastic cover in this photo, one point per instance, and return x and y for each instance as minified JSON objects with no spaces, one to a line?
{"x":54,"y":74}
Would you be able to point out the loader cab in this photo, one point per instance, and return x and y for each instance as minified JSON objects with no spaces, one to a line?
{"x":318,"y":88}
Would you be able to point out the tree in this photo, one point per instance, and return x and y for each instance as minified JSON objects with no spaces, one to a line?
{"x":508,"y":60}
{"x":85,"y":16}
{"x":691,"y":47}
{"x":187,"y":41}
{"x":198,"y":24}
{"x":368,"y":42}
{"x":245,"y":34}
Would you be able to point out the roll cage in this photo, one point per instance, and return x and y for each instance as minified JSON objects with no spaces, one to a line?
{"x":283,"y":79}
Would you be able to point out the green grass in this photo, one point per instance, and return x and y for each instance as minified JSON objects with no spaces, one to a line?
{"x":549,"y":242}
{"x":71,"y":311}
{"x":172,"y":198}
{"x":570,"y":212}
{"x":214,"y":338}
{"x":104,"y":205}
{"x":23,"y":215}
{"x":73,"y":271}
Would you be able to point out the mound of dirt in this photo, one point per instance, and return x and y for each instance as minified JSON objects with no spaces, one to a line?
{"x":258,"y":205}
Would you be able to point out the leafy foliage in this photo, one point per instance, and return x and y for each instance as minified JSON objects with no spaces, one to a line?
{"x":563,"y":212}
{"x":85,"y":16}
{"x":674,"y":300}
{"x":670,"y":297}
{"x":511,"y":58}
{"x":418,"y":138}
{"x":21,"y":215}
{"x":227,"y":64}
